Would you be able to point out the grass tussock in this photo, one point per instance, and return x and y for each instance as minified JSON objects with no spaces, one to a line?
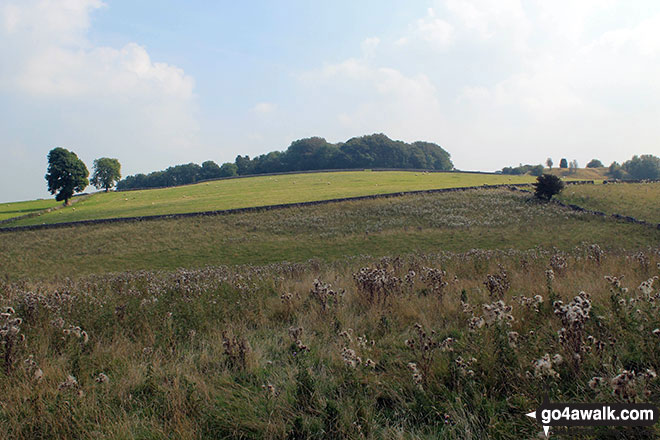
{"x":456,"y":346}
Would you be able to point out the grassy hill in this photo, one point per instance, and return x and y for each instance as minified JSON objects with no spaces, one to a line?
{"x":259,"y":191}
{"x":297,"y":323}
{"x":639,"y":200}
{"x":17,"y":209}
{"x":479,"y":218}
{"x":580,"y":173}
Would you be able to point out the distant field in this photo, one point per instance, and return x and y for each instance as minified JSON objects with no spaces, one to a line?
{"x":458,"y":222}
{"x":16,"y":209}
{"x":580,"y":173}
{"x":257,"y":191}
{"x":639,"y":200}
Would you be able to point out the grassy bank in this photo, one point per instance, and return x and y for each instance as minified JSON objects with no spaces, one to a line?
{"x":259,"y":191}
{"x":484,"y":218}
{"x":639,"y":200}
{"x":17,"y":209}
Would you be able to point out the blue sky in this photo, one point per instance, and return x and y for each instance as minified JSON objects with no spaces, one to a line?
{"x":157,"y":83}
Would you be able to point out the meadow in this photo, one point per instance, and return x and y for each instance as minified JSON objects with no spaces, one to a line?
{"x":446,"y":315}
{"x":455,"y":221}
{"x":16,"y":209}
{"x":259,"y":191}
{"x":639,"y":200}
{"x":444,"y":345}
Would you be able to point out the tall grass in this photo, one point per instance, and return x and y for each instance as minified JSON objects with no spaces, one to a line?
{"x":414,"y":347}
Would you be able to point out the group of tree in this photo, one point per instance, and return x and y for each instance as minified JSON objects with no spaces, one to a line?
{"x":646,"y":166}
{"x":67,"y":174}
{"x":534,"y":170}
{"x":315,"y":153}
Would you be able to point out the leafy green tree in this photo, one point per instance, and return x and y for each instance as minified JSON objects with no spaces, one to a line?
{"x":547,"y":186}
{"x":107,"y":172}
{"x":66,"y":174}
{"x":615,"y":171}
{"x":645,"y":166}
{"x":210,"y":170}
{"x":228,"y":169}
{"x":563,"y":163}
{"x":595,"y":163}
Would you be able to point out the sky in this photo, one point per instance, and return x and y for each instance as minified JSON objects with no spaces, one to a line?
{"x":159,"y":83}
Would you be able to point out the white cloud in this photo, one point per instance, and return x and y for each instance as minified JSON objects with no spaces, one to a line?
{"x":96,"y":100}
{"x":369,"y":99}
{"x":430,"y":29}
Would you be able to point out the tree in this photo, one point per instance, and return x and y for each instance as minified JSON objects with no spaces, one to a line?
{"x":210,"y":170}
{"x":106,"y":173}
{"x":645,"y":166}
{"x":228,"y":169}
{"x":595,"y":163}
{"x":563,"y":163}
{"x":549,"y":163}
{"x":547,"y":186}
{"x":66,"y":174}
{"x":615,"y":171}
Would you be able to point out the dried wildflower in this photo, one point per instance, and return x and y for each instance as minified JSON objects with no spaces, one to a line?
{"x":434,"y":279}
{"x":558,"y":263}
{"x":102,"y":378}
{"x":69,"y":383}
{"x":270,"y":389}
{"x":10,"y":337}
{"x":596,"y":382}
{"x":350,"y":358}
{"x":512,"y":338}
{"x":647,"y":286}
{"x":614,"y":281}
{"x":236,"y":349}
{"x":543,"y":367}
{"x":465,"y":366}
{"x":574,"y":316}
{"x":549,"y":277}
{"x":376,"y":284}
{"x":417,"y":376}
{"x":623,"y":385}
{"x":323,"y":293}
{"x":497,"y":312}
{"x":369,"y":363}
{"x":498,"y":284}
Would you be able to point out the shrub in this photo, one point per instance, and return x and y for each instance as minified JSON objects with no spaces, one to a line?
{"x":547,"y":186}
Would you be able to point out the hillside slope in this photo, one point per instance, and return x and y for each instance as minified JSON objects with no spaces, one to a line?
{"x":259,"y":191}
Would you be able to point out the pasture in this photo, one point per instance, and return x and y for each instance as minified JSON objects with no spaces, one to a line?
{"x":639,"y":200}
{"x":259,"y":191}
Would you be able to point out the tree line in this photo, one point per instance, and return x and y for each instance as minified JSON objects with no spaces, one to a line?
{"x":641,"y":167}
{"x":315,"y":153}
{"x":67,"y":174}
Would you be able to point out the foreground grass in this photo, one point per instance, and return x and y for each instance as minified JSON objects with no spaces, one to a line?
{"x":639,"y":200}
{"x":259,"y":191}
{"x":484,"y":218}
{"x":16,"y":209}
{"x":269,"y":352}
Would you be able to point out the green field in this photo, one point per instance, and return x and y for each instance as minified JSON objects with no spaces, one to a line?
{"x":639,"y":200}
{"x":17,"y":209}
{"x":458,"y":221}
{"x":259,"y":191}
